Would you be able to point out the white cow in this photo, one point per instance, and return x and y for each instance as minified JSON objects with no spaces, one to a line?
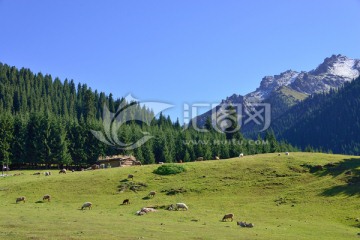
{"x":182,"y":206}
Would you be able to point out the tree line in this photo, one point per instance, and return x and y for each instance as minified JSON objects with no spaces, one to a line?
{"x":44,"y":121}
{"x":327,"y":121}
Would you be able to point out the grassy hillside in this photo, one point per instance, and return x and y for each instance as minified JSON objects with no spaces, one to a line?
{"x":297,"y":96}
{"x":286,"y":197}
{"x":280,"y":101}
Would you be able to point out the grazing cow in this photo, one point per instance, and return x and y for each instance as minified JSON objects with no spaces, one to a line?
{"x":47,"y":197}
{"x":131,"y":176}
{"x":200,"y":159}
{"x":182,"y":206}
{"x":241,"y":155}
{"x":241,"y":224}
{"x":287,"y":153}
{"x":228,"y":216}
{"x":47,"y":173}
{"x":217,"y":158}
{"x":148,"y":209}
{"x":20,"y":199}
{"x":279,"y":154}
{"x":152,"y":194}
{"x":86,"y":205}
{"x":145,"y":210}
{"x":244,"y":224}
{"x":126,"y":201}
{"x":62,"y":171}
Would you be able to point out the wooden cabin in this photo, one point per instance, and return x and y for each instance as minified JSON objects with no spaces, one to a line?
{"x":118,"y":161}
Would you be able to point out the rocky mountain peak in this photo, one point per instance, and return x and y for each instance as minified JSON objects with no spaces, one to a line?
{"x":235,"y":98}
{"x":271,"y":83}
{"x":333,"y":72}
{"x":339,"y":65}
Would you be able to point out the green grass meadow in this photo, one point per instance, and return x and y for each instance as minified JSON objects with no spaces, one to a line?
{"x":283,"y":196}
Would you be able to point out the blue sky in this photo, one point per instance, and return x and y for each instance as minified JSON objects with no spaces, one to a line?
{"x":174,"y":51}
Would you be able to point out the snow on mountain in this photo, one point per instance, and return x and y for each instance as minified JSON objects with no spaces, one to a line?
{"x":332,"y":73}
{"x":271,"y":83}
{"x":339,"y":65}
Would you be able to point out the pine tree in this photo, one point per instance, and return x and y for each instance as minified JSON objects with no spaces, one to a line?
{"x":59,"y":145}
{"x":6,"y":133}
{"x":208,"y":124}
{"x":148,"y":154}
{"x":224,"y":150}
{"x":18,"y":144}
{"x":270,"y":137}
{"x":89,"y":106}
{"x":33,"y":139}
{"x":77,"y":141}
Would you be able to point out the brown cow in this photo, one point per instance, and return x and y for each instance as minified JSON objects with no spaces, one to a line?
{"x":20,"y":199}
{"x":228,"y":216}
{"x":47,"y":197}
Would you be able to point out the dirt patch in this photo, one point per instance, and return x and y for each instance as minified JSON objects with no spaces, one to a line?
{"x":133,"y":186}
{"x":173,"y":191}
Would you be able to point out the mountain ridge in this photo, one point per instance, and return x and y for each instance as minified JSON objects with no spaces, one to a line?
{"x":328,"y":121}
{"x":332,"y":73}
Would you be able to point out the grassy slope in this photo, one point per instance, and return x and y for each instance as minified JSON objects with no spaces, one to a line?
{"x":293,"y":94}
{"x":248,"y":187}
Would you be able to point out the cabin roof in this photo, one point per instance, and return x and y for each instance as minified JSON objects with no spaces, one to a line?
{"x":116,"y":158}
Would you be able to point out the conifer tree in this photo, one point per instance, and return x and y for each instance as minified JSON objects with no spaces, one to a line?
{"x":6,"y":133}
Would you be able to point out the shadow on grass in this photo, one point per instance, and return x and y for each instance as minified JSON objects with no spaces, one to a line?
{"x":349,"y":172}
{"x":39,"y":201}
{"x":342,"y":167}
{"x":342,"y":189}
{"x":124,"y":180}
{"x":146,"y":198}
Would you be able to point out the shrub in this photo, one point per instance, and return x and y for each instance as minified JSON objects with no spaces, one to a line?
{"x":168,"y":169}
{"x":174,"y":191}
{"x":131,"y":186}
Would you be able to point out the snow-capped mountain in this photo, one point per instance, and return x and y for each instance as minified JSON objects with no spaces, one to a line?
{"x":270,"y":84}
{"x":293,"y":85}
{"x":332,"y":73}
